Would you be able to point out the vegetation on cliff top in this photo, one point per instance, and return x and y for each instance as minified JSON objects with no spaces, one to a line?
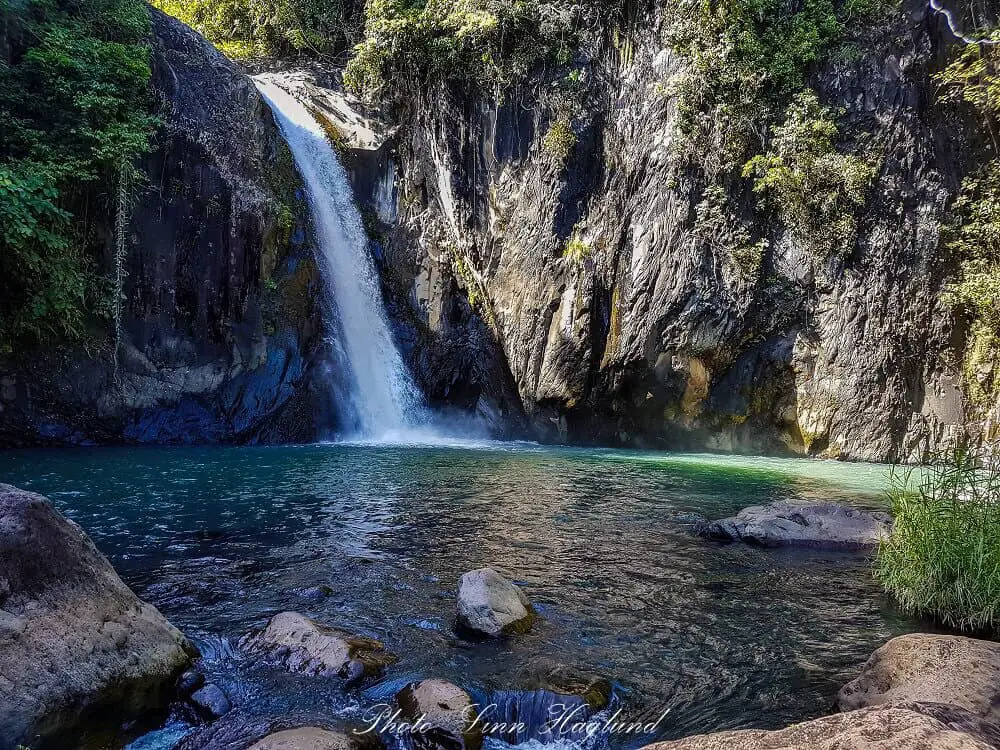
{"x":74,"y":101}
{"x":745,"y":110}
{"x":247,"y":29}
{"x":489,"y":43}
{"x":748,"y":59}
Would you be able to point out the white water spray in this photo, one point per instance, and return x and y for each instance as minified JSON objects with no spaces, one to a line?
{"x":382,"y":393}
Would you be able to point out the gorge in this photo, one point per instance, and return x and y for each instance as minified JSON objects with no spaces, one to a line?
{"x":579,"y":298}
{"x":635,"y":358}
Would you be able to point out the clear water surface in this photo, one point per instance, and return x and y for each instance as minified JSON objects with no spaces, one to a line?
{"x":724,"y":636}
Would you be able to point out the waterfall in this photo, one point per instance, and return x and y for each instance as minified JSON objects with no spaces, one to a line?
{"x":383,"y":397}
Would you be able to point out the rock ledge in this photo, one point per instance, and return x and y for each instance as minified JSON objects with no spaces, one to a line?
{"x":781,"y":524}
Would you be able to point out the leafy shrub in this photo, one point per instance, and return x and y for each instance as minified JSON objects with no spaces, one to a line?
{"x":974,"y":237}
{"x":559,"y":140}
{"x":74,"y":102}
{"x":489,"y":42}
{"x":942,"y":559}
{"x":246,"y":29}
{"x":747,"y":59}
{"x":814,"y":188}
{"x":577,"y":249}
{"x":974,"y":78}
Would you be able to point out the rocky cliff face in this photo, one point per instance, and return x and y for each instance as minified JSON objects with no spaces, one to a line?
{"x":573,"y":298}
{"x":645,"y":332}
{"x":220,"y":328}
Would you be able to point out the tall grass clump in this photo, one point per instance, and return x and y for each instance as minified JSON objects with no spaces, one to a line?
{"x":942,"y":559}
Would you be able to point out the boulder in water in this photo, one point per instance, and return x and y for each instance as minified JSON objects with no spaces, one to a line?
{"x":825,"y":525}
{"x":489,"y":604}
{"x":302,"y":645}
{"x":210,"y":701}
{"x":73,"y":636}
{"x":446,"y":710}
{"x":927,"y":726}
{"x":189,"y":681}
{"x":949,"y":669}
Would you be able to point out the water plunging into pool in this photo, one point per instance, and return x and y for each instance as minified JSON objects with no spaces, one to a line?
{"x":383,"y":401}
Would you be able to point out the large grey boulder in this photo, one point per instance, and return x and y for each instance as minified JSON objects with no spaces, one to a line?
{"x":446,"y":712}
{"x":914,"y":726}
{"x":305,"y":646}
{"x":825,"y":525}
{"x":489,"y":604}
{"x":950,"y":669}
{"x":73,"y":637}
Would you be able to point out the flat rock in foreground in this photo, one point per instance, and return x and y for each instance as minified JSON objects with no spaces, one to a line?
{"x":304,"y":738}
{"x":305,"y":646}
{"x":951,"y":669}
{"x":490,"y":605}
{"x":73,"y":636}
{"x":826,"y":525}
{"x":911,"y":726}
{"x":290,"y":730}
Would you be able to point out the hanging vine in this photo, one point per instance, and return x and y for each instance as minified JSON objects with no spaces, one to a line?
{"x":123,"y":205}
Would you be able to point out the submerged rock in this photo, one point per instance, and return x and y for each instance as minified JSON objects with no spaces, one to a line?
{"x":190,"y":681}
{"x":211,"y":702}
{"x":74,"y":636}
{"x":302,"y":645}
{"x":446,"y":710}
{"x":949,"y":669}
{"x":313,"y":592}
{"x":780,"y":524}
{"x":927,"y":726}
{"x":569,"y":682}
{"x":491,"y":605}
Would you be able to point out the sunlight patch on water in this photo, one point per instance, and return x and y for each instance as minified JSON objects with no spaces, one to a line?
{"x":867,"y":479}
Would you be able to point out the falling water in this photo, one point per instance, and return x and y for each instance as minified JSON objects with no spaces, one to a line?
{"x":383,"y":396}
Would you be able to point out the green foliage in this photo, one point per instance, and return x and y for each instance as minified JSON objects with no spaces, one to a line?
{"x":577,"y":249}
{"x":748,"y":58}
{"x":74,"y":101}
{"x":489,"y":42}
{"x":973,"y":78}
{"x":974,"y":237}
{"x":247,"y":29}
{"x":559,"y":140}
{"x":942,"y":559}
{"x":814,"y":188}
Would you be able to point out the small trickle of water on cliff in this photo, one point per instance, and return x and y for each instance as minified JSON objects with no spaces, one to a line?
{"x":385,"y":401}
